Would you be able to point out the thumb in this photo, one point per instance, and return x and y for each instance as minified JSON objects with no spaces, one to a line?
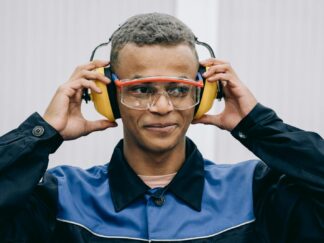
{"x":99,"y":125}
{"x":209,"y":120}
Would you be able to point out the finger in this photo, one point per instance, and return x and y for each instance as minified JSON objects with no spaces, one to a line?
{"x":212,"y":61}
{"x":220,"y":76}
{"x":72,"y":88}
{"x":92,"y":75}
{"x":228,"y":79}
{"x":218,"y":68}
{"x":84,"y":83}
{"x":93,"y":65}
{"x":78,"y":96}
{"x":209,"y":120}
{"x":99,"y":125}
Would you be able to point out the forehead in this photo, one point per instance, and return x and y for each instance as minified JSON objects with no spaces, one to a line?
{"x":156,"y":60}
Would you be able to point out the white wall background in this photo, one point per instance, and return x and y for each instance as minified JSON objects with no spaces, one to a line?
{"x":276,"y":47}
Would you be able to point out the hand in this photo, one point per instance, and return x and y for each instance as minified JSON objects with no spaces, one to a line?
{"x":64,"y":111}
{"x":239,"y":101}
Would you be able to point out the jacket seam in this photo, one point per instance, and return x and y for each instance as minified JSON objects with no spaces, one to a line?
{"x":147,"y":240}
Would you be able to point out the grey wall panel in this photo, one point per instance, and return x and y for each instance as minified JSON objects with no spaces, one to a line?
{"x":276,"y":47}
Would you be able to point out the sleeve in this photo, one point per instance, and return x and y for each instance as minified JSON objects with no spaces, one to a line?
{"x":284,"y":148}
{"x":288,"y":186}
{"x":24,"y":156}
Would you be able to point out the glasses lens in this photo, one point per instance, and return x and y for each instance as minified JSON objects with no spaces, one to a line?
{"x":182,"y":96}
{"x":143,"y":95}
{"x":137,"y":96}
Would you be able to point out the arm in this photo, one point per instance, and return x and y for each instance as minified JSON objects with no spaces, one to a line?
{"x":288,"y":187}
{"x":24,"y":158}
{"x":27,"y":207}
{"x":284,"y":148}
{"x":24,"y":151}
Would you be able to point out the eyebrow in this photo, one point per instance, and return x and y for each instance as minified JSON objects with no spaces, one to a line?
{"x":136,"y":76}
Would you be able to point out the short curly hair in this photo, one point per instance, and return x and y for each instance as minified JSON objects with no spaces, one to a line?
{"x":151,"y":29}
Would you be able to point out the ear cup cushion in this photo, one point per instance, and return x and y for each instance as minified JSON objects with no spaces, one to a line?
{"x":207,"y":96}
{"x":201,"y":70}
{"x":112,"y":93}
{"x":102,"y":101}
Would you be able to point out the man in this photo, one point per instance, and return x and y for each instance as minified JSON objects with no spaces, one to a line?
{"x":157,"y":186}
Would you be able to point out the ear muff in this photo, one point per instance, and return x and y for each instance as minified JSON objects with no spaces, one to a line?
{"x":107,"y":105}
{"x":106,"y":102}
{"x":209,"y":93}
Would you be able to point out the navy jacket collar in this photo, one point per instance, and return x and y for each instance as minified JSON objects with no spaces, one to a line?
{"x":187,"y":185}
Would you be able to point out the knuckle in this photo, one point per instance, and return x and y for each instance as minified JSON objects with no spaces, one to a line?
{"x":79,"y":68}
{"x":212,"y":69}
{"x":62,"y":87}
{"x":84,"y":81}
{"x":94,"y":63}
{"x":83,"y":72}
{"x":98,"y":75}
{"x":228,"y":64}
{"x":90,"y":83}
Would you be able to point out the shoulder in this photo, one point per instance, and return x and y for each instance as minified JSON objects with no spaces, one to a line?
{"x":237,"y":169}
{"x":72,"y":174}
{"x":231,"y":179}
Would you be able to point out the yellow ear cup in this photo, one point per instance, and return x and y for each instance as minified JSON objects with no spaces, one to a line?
{"x":207,"y":99}
{"x":101,"y":101}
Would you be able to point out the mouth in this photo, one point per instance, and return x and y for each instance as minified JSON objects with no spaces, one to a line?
{"x":161,"y":127}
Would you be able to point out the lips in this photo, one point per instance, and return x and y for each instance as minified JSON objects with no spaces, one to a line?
{"x":161,"y":127}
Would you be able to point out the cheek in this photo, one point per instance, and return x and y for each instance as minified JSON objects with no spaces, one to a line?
{"x":190,"y":114}
{"x":130,"y":118}
{"x":124,"y":111}
{"x":187,"y":117}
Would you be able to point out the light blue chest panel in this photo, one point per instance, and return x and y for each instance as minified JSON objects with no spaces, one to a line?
{"x":85,"y":200}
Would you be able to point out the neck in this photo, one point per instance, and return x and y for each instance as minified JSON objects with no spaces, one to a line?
{"x":146,"y":162}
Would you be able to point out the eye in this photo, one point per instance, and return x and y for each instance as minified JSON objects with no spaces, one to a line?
{"x":178,"y":91}
{"x":140,"y":90}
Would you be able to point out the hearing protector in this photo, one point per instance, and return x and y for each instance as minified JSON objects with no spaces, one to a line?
{"x":106,"y":102}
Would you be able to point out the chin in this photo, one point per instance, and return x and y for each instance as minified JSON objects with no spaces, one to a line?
{"x":161,"y":144}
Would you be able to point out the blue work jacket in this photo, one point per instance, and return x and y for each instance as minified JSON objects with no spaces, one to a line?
{"x":278,"y":198}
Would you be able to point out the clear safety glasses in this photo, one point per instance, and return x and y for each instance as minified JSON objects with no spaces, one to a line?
{"x":144,"y":93}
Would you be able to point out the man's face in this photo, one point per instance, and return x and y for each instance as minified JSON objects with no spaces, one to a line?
{"x":161,"y":127}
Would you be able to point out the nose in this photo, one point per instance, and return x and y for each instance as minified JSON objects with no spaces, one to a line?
{"x":161,"y":104}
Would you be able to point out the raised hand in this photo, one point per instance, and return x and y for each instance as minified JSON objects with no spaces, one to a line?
{"x":239,"y":101}
{"x":64,"y":111}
